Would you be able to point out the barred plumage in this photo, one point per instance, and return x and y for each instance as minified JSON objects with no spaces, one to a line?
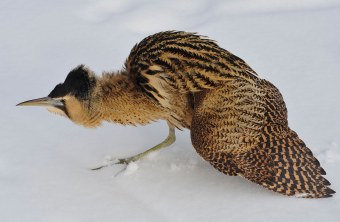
{"x":238,"y":121}
{"x":184,"y":61}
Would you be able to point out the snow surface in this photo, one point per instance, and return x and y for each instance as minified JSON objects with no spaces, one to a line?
{"x":44,"y":159}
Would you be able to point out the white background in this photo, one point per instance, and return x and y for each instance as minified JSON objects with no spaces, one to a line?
{"x":44,"y":159}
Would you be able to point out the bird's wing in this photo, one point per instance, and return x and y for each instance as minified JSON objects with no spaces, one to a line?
{"x":183,"y":62}
{"x":274,"y":156}
{"x":227,"y":121}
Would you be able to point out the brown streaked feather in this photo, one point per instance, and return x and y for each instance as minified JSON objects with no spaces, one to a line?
{"x":276,"y":158}
{"x":228,"y":119}
{"x":238,"y":121}
{"x":296,"y":170}
{"x":184,"y":62}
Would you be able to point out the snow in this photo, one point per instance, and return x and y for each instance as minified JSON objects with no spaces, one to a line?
{"x":45,"y":159}
{"x":131,"y":168}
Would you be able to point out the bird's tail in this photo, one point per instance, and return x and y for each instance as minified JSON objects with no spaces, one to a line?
{"x":281,"y":161}
{"x":293,"y":168}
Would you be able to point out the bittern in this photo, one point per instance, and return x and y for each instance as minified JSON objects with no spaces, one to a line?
{"x":238,"y":121}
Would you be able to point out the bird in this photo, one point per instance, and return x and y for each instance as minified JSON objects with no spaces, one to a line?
{"x":238,"y":121}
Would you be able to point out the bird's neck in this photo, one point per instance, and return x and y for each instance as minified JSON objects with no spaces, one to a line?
{"x":120,"y":100}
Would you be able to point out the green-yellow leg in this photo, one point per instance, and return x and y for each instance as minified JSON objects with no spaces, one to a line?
{"x":167,"y":142}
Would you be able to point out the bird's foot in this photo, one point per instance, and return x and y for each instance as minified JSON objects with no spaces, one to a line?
{"x":113,"y":161}
{"x":109,"y":161}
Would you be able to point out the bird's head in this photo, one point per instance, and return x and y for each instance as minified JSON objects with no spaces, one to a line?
{"x":72,"y":98}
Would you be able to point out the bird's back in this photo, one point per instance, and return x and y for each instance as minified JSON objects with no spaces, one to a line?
{"x":183,"y":61}
{"x":171,"y":66}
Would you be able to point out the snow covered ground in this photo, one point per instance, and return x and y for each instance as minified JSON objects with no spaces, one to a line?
{"x":44,"y":159}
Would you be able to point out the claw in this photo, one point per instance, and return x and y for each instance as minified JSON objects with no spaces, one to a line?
{"x":98,"y":168}
{"x":111,"y":162}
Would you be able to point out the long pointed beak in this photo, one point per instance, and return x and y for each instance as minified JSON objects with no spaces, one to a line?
{"x":45,"y":101}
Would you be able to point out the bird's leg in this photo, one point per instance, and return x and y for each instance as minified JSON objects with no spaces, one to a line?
{"x":167,"y":142}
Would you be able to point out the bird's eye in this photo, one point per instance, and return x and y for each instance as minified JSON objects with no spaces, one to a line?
{"x":63,"y":101}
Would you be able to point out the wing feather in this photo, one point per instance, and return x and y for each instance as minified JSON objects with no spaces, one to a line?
{"x":274,"y":156}
{"x":183,"y":62}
